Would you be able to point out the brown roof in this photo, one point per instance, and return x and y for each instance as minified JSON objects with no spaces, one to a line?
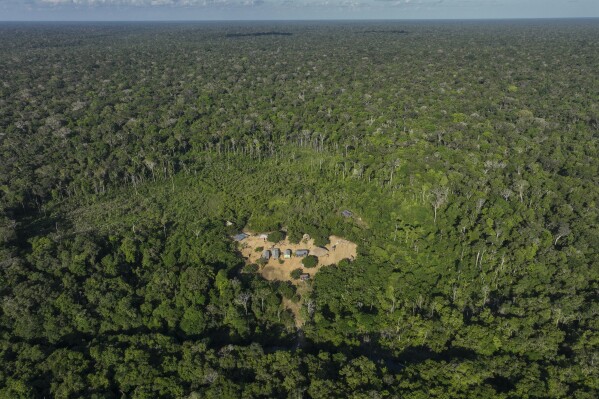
{"x":319,"y":251}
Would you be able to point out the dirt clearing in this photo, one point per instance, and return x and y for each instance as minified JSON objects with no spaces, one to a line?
{"x":280,"y":269}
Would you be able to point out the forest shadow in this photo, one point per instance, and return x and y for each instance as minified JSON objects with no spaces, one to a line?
{"x":376,"y":353}
{"x":500,"y":384}
{"x":38,"y":223}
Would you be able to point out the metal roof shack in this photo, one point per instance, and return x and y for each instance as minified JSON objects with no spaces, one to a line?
{"x":287,"y":254}
{"x":266,"y":254}
{"x":301,"y":252}
{"x":347,"y":213}
{"x":240,"y":237}
{"x":305,"y":276}
{"x":276,"y":253}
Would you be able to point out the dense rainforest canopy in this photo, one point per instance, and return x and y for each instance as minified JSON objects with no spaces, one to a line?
{"x":466,"y":153}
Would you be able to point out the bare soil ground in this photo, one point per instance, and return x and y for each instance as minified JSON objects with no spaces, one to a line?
{"x":280,"y":269}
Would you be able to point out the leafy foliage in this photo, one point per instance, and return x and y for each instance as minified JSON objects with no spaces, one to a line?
{"x":276,"y":236}
{"x":467,"y":153}
{"x":296,"y":273}
{"x":310,"y":261}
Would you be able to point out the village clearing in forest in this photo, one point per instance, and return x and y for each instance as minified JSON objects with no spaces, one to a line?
{"x":280,"y":269}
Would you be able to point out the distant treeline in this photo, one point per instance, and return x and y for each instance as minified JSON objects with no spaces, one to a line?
{"x":259,"y":34}
{"x":387,"y":31}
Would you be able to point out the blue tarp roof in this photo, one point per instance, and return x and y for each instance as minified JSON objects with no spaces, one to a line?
{"x":240,"y":237}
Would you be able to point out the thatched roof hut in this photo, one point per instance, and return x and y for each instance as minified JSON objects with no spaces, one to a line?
{"x":319,"y":251}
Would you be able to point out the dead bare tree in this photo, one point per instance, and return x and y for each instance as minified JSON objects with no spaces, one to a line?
{"x":563,"y":230}
{"x":243,"y":299}
{"x":520,"y":186}
{"x":506,"y":193}
{"x":394,"y":165}
{"x":438,"y":199}
{"x":311,"y":307}
{"x":261,"y":296}
{"x":479,"y":204}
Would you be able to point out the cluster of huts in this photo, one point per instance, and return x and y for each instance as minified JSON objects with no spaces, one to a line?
{"x":276,"y":253}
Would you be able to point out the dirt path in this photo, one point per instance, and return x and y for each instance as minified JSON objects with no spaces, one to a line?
{"x":295,"y":308}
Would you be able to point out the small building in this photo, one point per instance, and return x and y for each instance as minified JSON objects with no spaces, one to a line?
{"x":240,"y":237}
{"x":263,"y":236}
{"x":347,"y":213}
{"x":276,"y":253}
{"x":301,"y":252}
{"x":287,"y":254}
{"x":320,"y":251}
{"x":266,"y":254}
{"x":305,"y":276}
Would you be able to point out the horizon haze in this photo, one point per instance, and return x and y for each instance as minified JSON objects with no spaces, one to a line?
{"x":230,"y":10}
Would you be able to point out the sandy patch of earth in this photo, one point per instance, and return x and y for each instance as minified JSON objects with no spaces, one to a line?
{"x":280,"y":269}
